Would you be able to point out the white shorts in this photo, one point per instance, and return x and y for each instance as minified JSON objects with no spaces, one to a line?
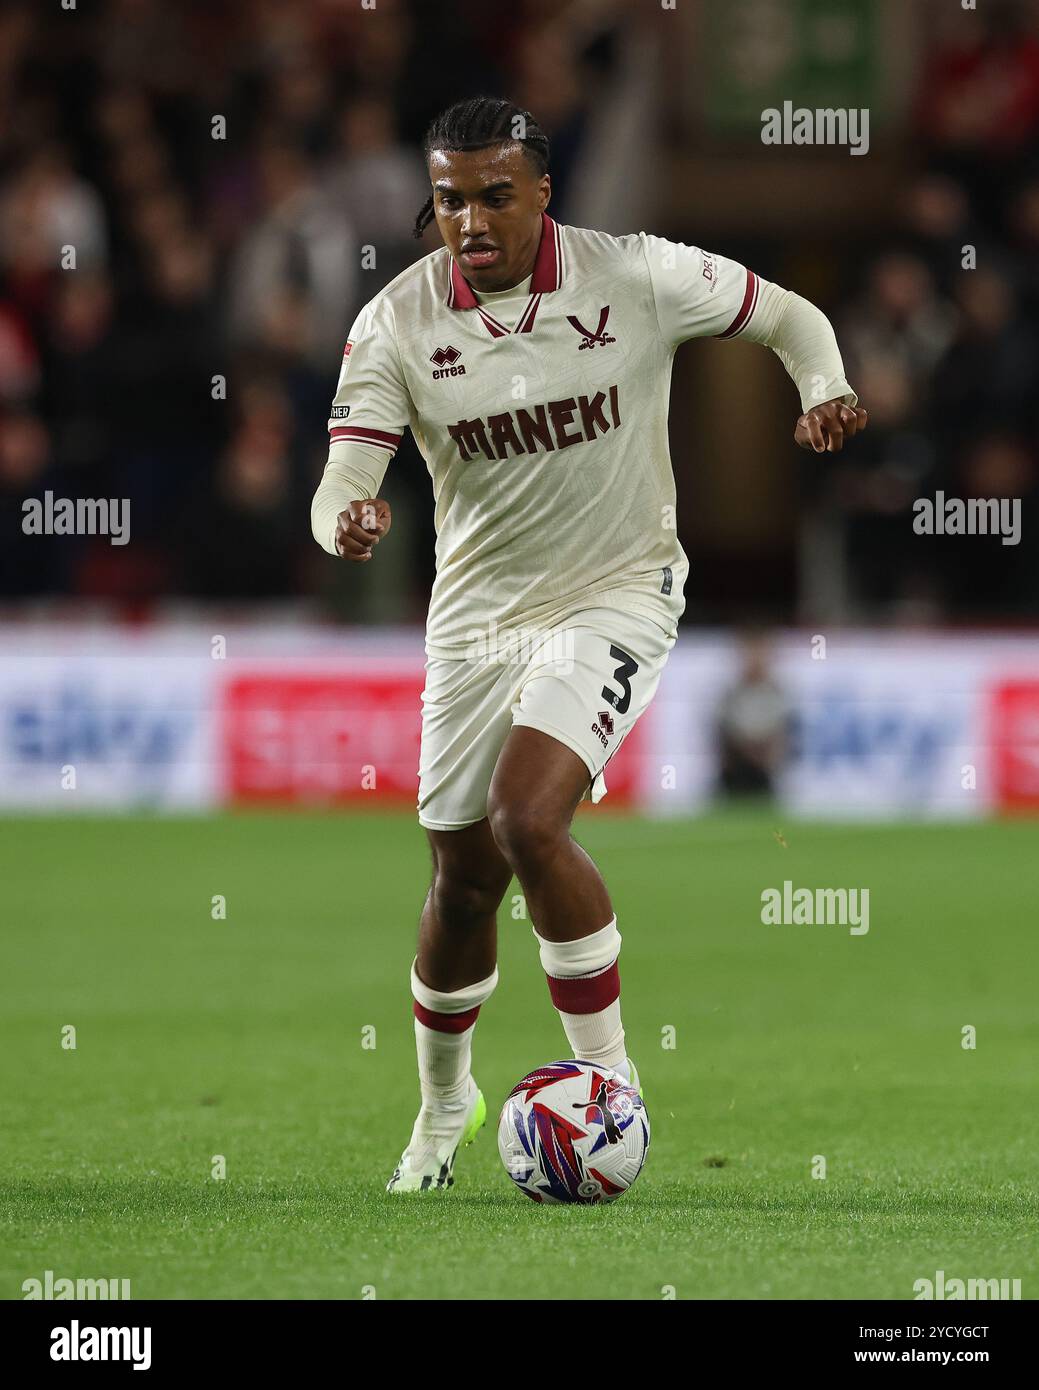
{"x":585,"y":683}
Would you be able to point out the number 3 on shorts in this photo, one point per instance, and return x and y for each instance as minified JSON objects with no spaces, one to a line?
{"x":627,"y":668}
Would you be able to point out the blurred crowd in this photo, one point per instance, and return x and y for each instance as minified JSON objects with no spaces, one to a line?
{"x":941,"y":340}
{"x":224,"y":175}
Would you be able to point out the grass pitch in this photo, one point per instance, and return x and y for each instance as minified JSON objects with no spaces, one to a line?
{"x":243,"y":1038}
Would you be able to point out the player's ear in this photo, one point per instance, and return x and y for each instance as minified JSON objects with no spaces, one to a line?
{"x":544,"y":192}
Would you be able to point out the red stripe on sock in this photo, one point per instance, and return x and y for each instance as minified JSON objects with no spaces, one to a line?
{"x":446,"y":1023}
{"x":587,"y":994}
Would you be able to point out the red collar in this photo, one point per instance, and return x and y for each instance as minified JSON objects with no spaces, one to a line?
{"x":547,"y":276}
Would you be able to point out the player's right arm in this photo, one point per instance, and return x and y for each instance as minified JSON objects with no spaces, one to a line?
{"x":369,"y":413}
{"x":361,"y":524}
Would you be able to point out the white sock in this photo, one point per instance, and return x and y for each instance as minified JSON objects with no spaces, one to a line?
{"x":584,"y":982}
{"x":444,"y":1027}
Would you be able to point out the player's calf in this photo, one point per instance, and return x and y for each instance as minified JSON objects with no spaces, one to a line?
{"x":458,"y":930}
{"x":585,"y":984}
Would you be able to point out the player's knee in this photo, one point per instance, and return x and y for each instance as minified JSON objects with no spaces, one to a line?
{"x":465,"y":899}
{"x":524,"y":834}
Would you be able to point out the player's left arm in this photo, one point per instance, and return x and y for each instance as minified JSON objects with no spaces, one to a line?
{"x":803,"y":339}
{"x":699,"y":294}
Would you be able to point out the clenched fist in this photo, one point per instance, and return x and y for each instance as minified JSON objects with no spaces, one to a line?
{"x":824,"y":428}
{"x":360,"y":528}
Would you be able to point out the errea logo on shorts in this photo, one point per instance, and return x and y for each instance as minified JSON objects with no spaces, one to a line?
{"x":603,"y":730}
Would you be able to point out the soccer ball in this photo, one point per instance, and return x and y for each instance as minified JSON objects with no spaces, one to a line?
{"x":573,"y":1132}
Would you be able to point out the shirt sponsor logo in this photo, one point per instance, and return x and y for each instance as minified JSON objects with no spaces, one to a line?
{"x":340,"y":412}
{"x":554,"y":425}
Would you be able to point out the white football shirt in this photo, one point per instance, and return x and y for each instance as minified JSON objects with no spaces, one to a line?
{"x":544,"y":430}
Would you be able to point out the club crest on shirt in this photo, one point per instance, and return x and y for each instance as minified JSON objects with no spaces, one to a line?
{"x":597,"y":339}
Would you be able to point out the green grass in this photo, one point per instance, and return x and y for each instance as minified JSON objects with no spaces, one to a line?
{"x":243,"y":1038}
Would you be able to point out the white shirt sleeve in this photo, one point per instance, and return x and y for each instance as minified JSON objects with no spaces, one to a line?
{"x":699,"y":294}
{"x":369,"y":413}
{"x":371,"y":404}
{"x":803,"y":339}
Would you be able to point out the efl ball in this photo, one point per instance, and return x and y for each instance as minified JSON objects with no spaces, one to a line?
{"x":573,"y":1132}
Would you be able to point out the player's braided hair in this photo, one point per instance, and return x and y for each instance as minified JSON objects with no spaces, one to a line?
{"x":475,"y":124}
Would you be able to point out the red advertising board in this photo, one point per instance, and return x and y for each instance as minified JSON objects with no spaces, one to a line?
{"x":1015,"y":745}
{"x":323,"y":737}
{"x":341,"y":737}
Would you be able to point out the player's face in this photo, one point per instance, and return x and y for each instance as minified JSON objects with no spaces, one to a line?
{"x":488,"y":206}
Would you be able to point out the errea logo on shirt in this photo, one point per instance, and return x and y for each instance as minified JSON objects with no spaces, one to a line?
{"x":445,"y":359}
